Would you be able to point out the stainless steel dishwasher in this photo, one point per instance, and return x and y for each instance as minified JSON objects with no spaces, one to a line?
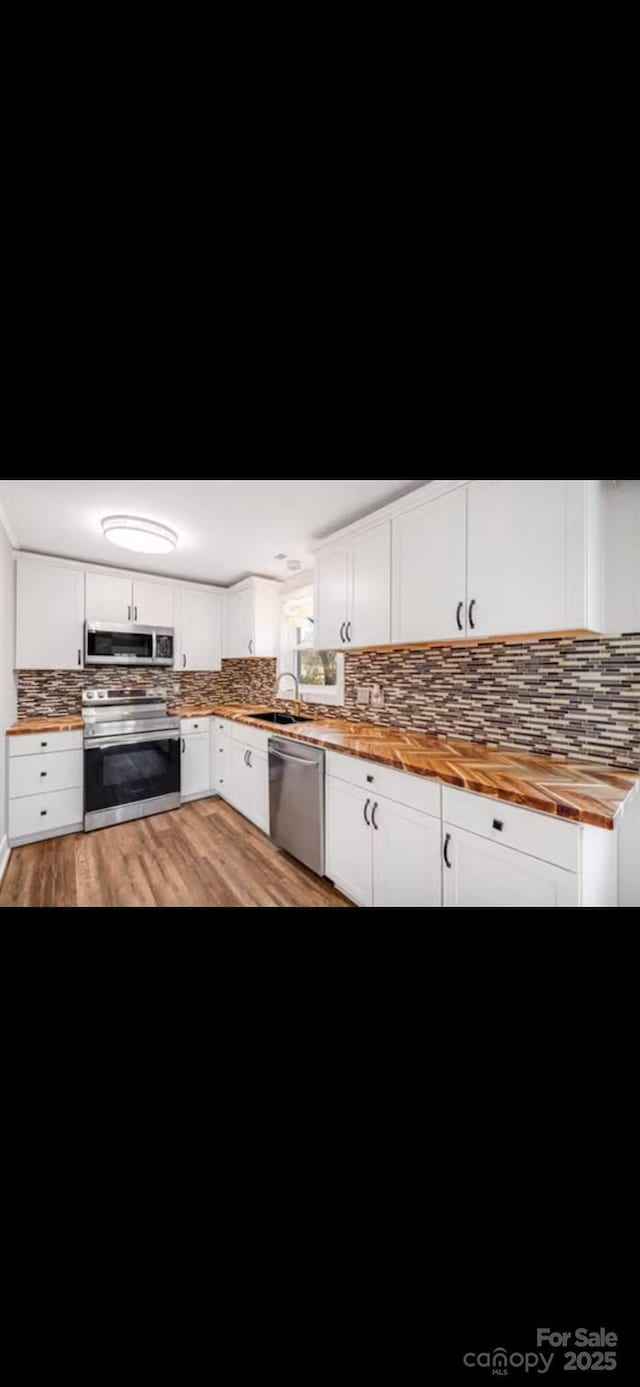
{"x":296,"y":800}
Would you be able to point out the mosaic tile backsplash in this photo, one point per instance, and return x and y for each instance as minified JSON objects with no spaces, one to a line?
{"x":557,"y":697}
{"x":52,"y":693}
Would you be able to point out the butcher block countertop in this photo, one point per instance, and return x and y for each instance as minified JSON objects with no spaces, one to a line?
{"x":582,"y":792}
{"x":70,"y":723}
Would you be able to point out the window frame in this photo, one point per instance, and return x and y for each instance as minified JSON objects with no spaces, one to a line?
{"x":289,"y":648}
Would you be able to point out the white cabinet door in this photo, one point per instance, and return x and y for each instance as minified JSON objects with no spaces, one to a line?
{"x":259,"y":789}
{"x":109,"y":598}
{"x":331,"y":599}
{"x":152,"y":603}
{"x":200,"y":630}
{"x":241,"y":626}
{"x":196,"y":764}
{"x":240,"y":791}
{"x":407,"y":856}
{"x":349,"y":841}
{"x":221,"y":757}
{"x":49,"y":616}
{"x":429,"y":564}
{"x":370,"y":609}
{"x":523,"y":556}
{"x":486,"y":874}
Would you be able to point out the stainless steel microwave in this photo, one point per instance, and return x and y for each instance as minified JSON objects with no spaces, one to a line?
{"x":108,"y":644}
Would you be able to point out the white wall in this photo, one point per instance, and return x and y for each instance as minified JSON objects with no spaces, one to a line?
{"x":622,"y":583}
{"x":7,"y":676}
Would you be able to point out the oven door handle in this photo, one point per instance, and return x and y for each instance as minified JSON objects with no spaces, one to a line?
{"x":134,"y":740}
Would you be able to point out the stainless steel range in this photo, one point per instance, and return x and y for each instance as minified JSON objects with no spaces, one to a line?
{"x":131,"y":756}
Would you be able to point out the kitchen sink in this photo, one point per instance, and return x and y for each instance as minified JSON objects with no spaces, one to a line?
{"x":280,"y":719}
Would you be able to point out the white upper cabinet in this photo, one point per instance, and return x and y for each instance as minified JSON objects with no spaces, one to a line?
{"x":241,"y":626}
{"x":49,"y":616}
{"x":369,"y":621}
{"x":253,"y":619}
{"x":153,"y":603}
{"x":199,"y":630}
{"x":108,"y":598}
{"x":353,"y":592}
{"x":331,"y":598}
{"x":429,"y":549}
{"x":532,"y":557}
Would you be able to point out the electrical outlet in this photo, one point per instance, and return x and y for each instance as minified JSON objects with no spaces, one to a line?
{"x":377,"y":697}
{"x":363,"y":695}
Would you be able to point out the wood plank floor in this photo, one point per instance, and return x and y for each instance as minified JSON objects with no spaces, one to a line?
{"x":202,"y":854}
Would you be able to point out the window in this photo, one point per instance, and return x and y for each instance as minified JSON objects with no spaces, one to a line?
{"x":319,"y":672}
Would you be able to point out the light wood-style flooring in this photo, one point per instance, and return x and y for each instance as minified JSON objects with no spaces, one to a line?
{"x":201,"y":854}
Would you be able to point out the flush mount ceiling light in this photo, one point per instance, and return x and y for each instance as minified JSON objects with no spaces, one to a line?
{"x":132,"y":532}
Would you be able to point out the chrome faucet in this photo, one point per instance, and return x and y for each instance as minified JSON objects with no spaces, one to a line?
{"x":287,"y":674}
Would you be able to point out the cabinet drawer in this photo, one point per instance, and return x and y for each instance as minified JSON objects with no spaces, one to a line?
{"x":251,"y":736}
{"x":35,"y":742}
{"x":43,"y":813}
{"x":37,"y":775}
{"x":222,"y":725}
{"x":536,"y":834}
{"x":412,"y":790}
{"x":189,"y":725}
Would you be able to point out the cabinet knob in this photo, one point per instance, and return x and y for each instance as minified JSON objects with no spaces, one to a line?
{"x":370,"y":779}
{"x":44,"y":744}
{"x":43,"y":774}
{"x":498,"y":825}
{"x":43,"y":813}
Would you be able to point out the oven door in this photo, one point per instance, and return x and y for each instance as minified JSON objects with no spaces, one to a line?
{"x":128,"y":777}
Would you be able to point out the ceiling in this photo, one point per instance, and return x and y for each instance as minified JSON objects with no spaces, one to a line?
{"x":226,"y":529}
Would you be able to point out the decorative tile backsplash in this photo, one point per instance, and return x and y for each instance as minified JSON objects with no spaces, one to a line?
{"x":564,"y":697}
{"x":52,"y":693}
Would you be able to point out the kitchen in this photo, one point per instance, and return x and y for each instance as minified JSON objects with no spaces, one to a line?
{"x":320,"y":693}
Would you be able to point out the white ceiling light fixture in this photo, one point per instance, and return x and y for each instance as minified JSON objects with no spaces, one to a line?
{"x":133,"y":532}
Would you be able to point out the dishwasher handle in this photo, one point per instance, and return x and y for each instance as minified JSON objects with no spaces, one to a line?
{"x":295,"y":760}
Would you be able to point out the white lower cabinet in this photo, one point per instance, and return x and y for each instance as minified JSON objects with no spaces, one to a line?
{"x":380,"y":852}
{"x":46,"y":795}
{"x":195,"y":746}
{"x":483,"y":873}
{"x":349,"y":841}
{"x":241,"y":769}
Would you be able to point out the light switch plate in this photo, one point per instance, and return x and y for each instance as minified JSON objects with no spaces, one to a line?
{"x":377,"y":697}
{"x":363,"y":695}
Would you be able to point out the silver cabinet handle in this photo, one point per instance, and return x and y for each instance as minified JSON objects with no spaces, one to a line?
{"x":184,"y":662}
{"x":79,"y":657}
{"x":135,"y":613}
{"x":251,"y":647}
{"x":250,"y":762}
{"x":245,"y":758}
{"x":373,"y":816}
{"x":184,"y":745}
{"x":472,"y":607}
{"x":447,"y":863}
{"x":365,"y":813}
{"x":349,"y":632}
{"x":128,"y":614}
{"x":459,"y":616}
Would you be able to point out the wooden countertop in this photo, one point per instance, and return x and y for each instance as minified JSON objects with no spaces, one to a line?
{"x":583,"y":792}
{"x":70,"y":723}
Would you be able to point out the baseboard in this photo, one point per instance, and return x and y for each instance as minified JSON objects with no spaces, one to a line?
{"x":5,"y":853}
{"x":200,"y":794}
